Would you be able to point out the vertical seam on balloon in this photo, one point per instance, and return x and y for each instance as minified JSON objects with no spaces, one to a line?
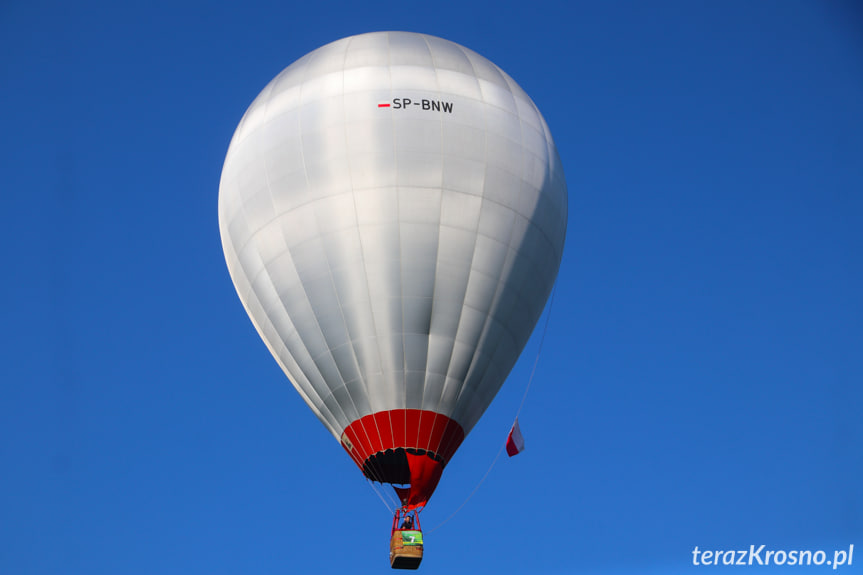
{"x":335,"y":287}
{"x":470,"y":267}
{"x":398,"y":227}
{"x":494,"y":298}
{"x":530,"y":224}
{"x":483,"y":199}
{"x":364,"y":383}
{"x":310,"y":203}
{"x":399,"y":239}
{"x":476,"y":398}
{"x":431,"y":435}
{"x":376,"y":340}
{"x":439,"y":229}
{"x":264,"y":267}
{"x":399,"y":243}
{"x":505,"y":327}
{"x":324,"y":413}
{"x":482,"y":333}
{"x":377,"y":346}
{"x":480,"y":338}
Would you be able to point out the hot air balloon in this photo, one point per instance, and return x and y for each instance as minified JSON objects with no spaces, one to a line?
{"x":392,"y":210}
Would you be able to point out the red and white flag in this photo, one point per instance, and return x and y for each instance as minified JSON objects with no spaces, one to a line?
{"x":515,"y":442}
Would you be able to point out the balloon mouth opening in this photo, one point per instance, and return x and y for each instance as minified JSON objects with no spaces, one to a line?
{"x":393,"y":465}
{"x":408,"y":447}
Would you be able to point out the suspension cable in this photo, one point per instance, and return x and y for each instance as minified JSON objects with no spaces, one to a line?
{"x":463,"y":503}
{"x":538,"y":351}
{"x":387,"y":501}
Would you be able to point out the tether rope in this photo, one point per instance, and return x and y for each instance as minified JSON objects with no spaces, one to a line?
{"x":389,"y":500}
{"x":517,"y":413}
{"x":380,"y":496}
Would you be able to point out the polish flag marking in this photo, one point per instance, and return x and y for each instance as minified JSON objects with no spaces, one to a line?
{"x":515,"y":441}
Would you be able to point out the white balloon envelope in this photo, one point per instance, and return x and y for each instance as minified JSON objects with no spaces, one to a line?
{"x":393,"y":211}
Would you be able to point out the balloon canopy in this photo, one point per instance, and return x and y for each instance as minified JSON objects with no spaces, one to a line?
{"x":393,"y":210}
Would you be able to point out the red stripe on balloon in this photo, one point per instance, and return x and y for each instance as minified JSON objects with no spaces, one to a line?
{"x":407,"y":429}
{"x":399,"y":419}
{"x":385,"y":428}
{"x":437,"y":433}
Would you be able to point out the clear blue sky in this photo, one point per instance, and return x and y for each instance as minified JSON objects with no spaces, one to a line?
{"x":701,"y":381}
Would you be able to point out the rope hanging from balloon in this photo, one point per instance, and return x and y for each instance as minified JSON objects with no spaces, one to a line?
{"x":387,"y":501}
{"x":517,"y":413}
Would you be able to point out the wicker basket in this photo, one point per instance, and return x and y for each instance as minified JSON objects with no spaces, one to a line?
{"x":406,"y":549}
